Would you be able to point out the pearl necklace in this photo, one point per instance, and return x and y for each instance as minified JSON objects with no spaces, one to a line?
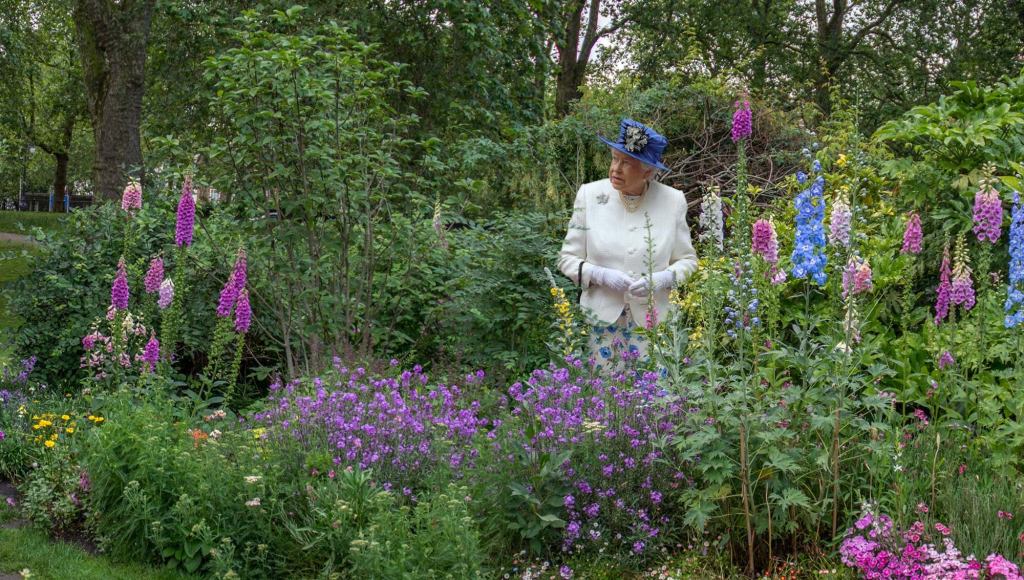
{"x":632,"y":202}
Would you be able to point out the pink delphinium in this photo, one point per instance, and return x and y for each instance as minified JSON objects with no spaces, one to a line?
{"x":119,"y":290}
{"x":912,"y":235}
{"x":166,"y":294}
{"x":839,"y":222}
{"x":856,"y":276}
{"x":944,"y":291}
{"x":151,"y":354}
{"x":243,"y":312}
{"x":741,"y":121}
{"x":988,"y":214}
{"x":186,"y":215}
{"x":154,"y":276}
{"x":131,"y":198}
{"x":228,"y":296}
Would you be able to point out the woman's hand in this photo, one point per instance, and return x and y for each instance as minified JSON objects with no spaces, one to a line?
{"x":610,"y":278}
{"x":659,"y":280}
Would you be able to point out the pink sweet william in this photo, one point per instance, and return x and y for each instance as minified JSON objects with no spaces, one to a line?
{"x":912,"y":235}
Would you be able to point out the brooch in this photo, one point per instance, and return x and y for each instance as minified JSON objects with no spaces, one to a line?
{"x":602,"y":198}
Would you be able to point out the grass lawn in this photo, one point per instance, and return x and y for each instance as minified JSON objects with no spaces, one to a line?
{"x":45,"y":559}
{"x":15,"y":262}
{"x":18,"y":222}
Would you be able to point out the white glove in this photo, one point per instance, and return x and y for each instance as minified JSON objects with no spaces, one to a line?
{"x":661,"y":281}
{"x":610,"y":278}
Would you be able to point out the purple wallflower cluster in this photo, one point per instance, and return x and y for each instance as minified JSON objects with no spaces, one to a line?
{"x":876,"y":550}
{"x":988,"y":214}
{"x":398,"y":427}
{"x":741,"y":121}
{"x":619,"y":476}
{"x":27,"y":366}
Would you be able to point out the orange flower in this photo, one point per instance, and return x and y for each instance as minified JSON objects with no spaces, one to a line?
{"x":197,"y":436}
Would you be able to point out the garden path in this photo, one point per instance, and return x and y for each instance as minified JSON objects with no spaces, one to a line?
{"x":17,"y":238}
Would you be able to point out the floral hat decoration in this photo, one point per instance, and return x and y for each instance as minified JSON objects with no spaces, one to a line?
{"x":639,"y":142}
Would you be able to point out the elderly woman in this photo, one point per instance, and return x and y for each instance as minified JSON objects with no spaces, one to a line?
{"x":627,"y":238}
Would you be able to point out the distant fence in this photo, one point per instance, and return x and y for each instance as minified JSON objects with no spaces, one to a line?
{"x":46,"y":202}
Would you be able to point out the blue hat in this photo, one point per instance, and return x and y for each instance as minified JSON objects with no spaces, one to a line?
{"x":640,"y":142}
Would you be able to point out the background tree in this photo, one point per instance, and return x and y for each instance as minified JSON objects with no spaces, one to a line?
{"x":112,"y":40}
{"x":42,"y":93}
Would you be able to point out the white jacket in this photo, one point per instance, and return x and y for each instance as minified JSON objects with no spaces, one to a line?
{"x":601,"y":232}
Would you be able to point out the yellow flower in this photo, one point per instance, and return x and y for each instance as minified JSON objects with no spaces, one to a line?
{"x":65,"y":417}
{"x":49,"y":443}
{"x":841,"y":162}
{"x":70,"y":429}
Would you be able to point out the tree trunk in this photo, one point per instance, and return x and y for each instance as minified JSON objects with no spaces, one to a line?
{"x":60,"y":180}
{"x":567,"y":87}
{"x":112,"y":38}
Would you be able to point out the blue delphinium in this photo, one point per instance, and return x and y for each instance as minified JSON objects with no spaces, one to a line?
{"x":809,"y":246}
{"x":1015,"y":290}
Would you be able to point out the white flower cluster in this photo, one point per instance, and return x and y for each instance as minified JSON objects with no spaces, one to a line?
{"x":711,"y":223}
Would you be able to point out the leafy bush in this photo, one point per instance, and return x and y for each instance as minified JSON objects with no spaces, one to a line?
{"x":436,"y":538}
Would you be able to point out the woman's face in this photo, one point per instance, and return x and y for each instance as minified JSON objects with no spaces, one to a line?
{"x":627,"y":174}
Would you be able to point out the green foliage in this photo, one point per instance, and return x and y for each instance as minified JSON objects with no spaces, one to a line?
{"x":324,"y":175}
{"x":436,"y":538}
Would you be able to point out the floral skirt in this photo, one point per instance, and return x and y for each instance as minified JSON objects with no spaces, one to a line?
{"x":618,"y":346}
